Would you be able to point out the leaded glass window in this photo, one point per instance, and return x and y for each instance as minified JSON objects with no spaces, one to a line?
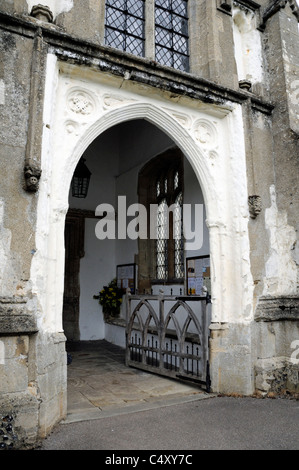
{"x":170,"y":243}
{"x":171,"y":30}
{"x":162,"y":241}
{"x":160,"y":190}
{"x":124,"y":25}
{"x":178,"y":237}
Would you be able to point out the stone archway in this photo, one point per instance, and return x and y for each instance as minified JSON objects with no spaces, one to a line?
{"x":85,"y":110}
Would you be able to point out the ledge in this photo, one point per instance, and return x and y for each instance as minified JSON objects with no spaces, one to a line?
{"x":116,"y":321}
{"x":285,"y":307}
{"x":127,"y":66}
{"x":14,"y":318}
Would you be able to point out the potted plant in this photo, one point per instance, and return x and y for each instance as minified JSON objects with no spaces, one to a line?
{"x":110,"y":298}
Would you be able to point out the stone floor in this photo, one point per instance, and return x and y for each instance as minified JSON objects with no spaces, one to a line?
{"x":100,"y":385}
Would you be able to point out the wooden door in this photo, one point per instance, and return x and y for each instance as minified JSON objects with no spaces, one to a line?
{"x":74,"y":251}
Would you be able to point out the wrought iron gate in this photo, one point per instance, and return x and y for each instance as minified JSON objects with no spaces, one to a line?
{"x":168,"y":335}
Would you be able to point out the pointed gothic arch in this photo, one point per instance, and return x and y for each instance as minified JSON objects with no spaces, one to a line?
{"x":195,"y":134}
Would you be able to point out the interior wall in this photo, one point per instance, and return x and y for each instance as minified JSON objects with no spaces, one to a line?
{"x":140,"y":141}
{"x":97,"y":265}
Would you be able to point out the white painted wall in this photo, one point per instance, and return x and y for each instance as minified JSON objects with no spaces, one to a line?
{"x":248,"y":48}
{"x":97,"y":268}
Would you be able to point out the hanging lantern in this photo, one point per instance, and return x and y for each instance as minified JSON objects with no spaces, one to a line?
{"x":80,"y":181}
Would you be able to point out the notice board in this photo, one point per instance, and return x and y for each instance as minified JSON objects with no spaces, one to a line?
{"x":198,"y":275}
{"x":126,"y":276}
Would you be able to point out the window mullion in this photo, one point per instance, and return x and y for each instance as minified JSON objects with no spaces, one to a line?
{"x":150,"y":29}
{"x":126,"y":24}
{"x":172,"y":34}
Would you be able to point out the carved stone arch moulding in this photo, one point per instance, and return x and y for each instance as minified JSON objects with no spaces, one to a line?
{"x":175,"y":129}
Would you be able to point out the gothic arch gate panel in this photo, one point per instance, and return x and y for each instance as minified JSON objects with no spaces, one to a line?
{"x":168,"y":335}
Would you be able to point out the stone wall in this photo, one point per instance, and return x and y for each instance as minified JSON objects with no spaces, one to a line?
{"x":33,"y":376}
{"x":276,"y":332}
{"x":32,"y":389}
{"x":32,"y":362}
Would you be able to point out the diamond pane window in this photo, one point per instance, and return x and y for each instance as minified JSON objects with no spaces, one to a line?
{"x":121,"y":4}
{"x":171,"y":33}
{"x":124,"y":25}
{"x":169,"y":224}
{"x":178,"y":238}
{"x":161,"y":244}
{"x":160,"y":190}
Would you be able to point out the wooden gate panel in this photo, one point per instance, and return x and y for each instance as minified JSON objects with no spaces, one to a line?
{"x":160,"y":338}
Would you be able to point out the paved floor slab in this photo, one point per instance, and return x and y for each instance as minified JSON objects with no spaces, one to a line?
{"x":100,"y":384}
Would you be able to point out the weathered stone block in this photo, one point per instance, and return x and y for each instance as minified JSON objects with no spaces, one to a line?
{"x":230,"y":358}
{"x":272,"y":308}
{"x":50,"y":413}
{"x":18,"y":420}
{"x":277,"y":376}
{"x":15,"y":318}
{"x":14,"y":367}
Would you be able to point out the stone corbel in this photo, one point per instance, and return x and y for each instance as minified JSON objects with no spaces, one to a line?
{"x":32,"y":176}
{"x":255,"y":206}
{"x":225,"y":6}
{"x":245,"y":85}
{"x":42,"y":13}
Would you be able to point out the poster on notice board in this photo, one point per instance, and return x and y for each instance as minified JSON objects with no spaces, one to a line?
{"x":126,"y":277}
{"x":198,"y":275}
